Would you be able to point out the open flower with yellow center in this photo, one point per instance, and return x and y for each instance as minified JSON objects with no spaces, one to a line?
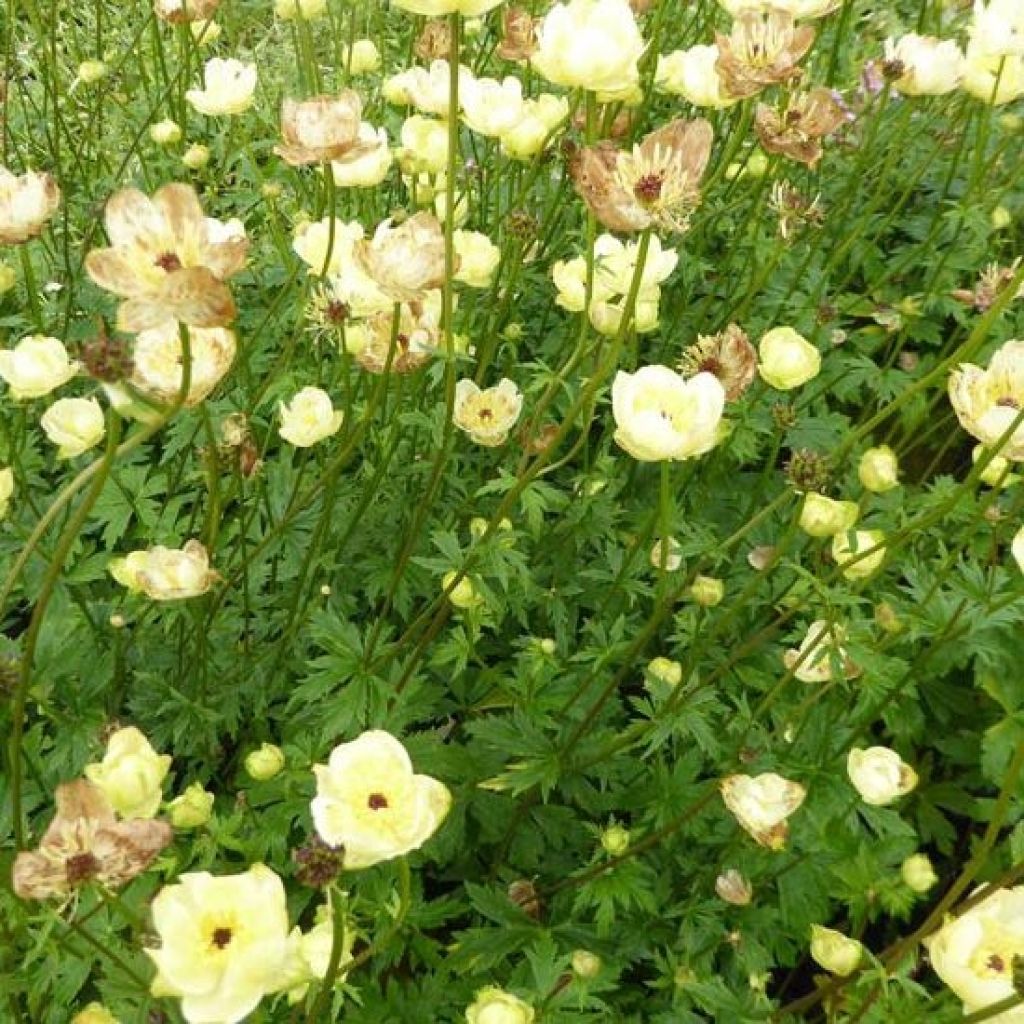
{"x":763,"y":49}
{"x":27,"y":202}
{"x":659,"y":415}
{"x":85,"y":842}
{"x":131,"y":774}
{"x":177,"y":11}
{"x":761,"y":804}
{"x":488,"y":415}
{"x":974,"y":953}
{"x":812,"y":661}
{"x":370,"y":801}
{"x":309,"y":418}
{"x":168,"y":261}
{"x":406,"y":260}
{"x":36,"y":366}
{"x":229,"y":87}
{"x":988,"y":402}
{"x":224,"y":942}
{"x":166,"y":574}
{"x":796,"y":130}
{"x":320,"y":129}
{"x":654,"y":184}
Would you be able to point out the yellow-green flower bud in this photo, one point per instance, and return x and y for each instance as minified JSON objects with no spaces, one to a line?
{"x":165,"y":133}
{"x":90,"y":71}
{"x":192,"y":809}
{"x":615,"y":840}
{"x":707,"y":591}
{"x":196,"y":156}
{"x":918,"y":873}
{"x":836,"y":952}
{"x":666,"y":670}
{"x":264,"y":763}
{"x":879,"y":469}
{"x":585,"y":964}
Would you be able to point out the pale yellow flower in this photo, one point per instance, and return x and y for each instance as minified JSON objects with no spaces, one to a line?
{"x":811,"y":662}
{"x":229,"y":87}
{"x":94,"y":1013}
{"x":6,"y":489}
{"x":424,"y":145}
{"x":478,"y":258}
{"x":707,"y":591}
{"x":991,"y":78}
{"x":537,"y":126}
{"x":166,"y":574}
{"x":488,"y":415}
{"x":491,"y":107}
{"x":131,"y":774}
{"x":75,"y":425}
{"x":165,"y":132}
{"x":36,"y":366}
{"x":836,"y":952}
{"x":988,"y":401}
{"x":798,"y":8}
{"x":879,"y":469}
{"x":437,"y":8}
{"x":370,"y":801}
{"x":821,"y":516}
{"x":27,"y":202}
{"x":693,"y":75}
{"x":787,"y":359}
{"x":879,"y":774}
{"x":303,"y":10}
{"x":494,"y":1006}
{"x":368,"y":164}
{"x":361,"y":58}
{"x":265,"y":762}
{"x":176,"y":11}
{"x":309,"y":418}
{"x":928,"y":66}
{"x":463,"y":595}
{"x":192,"y":809}
{"x":918,"y":873}
{"x":761,"y":804}
{"x":666,"y":670}
{"x":849,"y":551}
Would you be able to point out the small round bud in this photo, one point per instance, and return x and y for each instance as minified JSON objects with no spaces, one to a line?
{"x":918,"y":873}
{"x":615,"y":840}
{"x":117,"y":621}
{"x":1000,"y":218}
{"x":90,"y":71}
{"x":94,"y":1013}
{"x":757,"y":165}
{"x":667,"y":671}
{"x":264,"y":763}
{"x":514,"y":332}
{"x":732,"y":887}
{"x":585,"y":965}
{"x":548,"y":646}
{"x":673,"y":559}
{"x":886,"y":617}
{"x":165,"y":133}
{"x":325,"y":590}
{"x":196,"y":156}
{"x":879,"y":469}
{"x":707,"y":591}
{"x":192,"y":809}
{"x":271,"y":190}
{"x":463,"y":595}
{"x":834,"y":951}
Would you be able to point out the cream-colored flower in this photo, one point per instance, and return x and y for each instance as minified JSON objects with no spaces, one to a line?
{"x":223,"y":942}
{"x":927,"y":66}
{"x":192,"y":809}
{"x":166,"y":574}
{"x":311,"y":239}
{"x":798,"y":8}
{"x":303,"y":10}
{"x":590,"y":44}
{"x":585,"y":965}
{"x":494,"y":1006}
{"x":849,"y":551}
{"x":974,"y":953}
{"x":85,"y":842}
{"x":265,"y":762}
{"x":407,"y":260}
{"x":424,"y":146}
{"x":309,"y":418}
{"x":761,"y":804}
{"x":196,"y":157}
{"x":74,"y":424}
{"x":36,"y":366}
{"x":167,"y":260}
{"x":427,"y":89}
{"x":491,"y":107}
{"x":824,"y":517}
{"x":487,"y":416}
{"x":478,"y":258}
{"x":176,"y":11}
{"x":165,"y":132}
{"x":988,"y":402}
{"x":734,"y":888}
{"x":320,"y":129}
{"x":131,"y":774}
{"x":693,"y":75}
{"x":94,"y":1013}
{"x":707,"y":591}
{"x":673,"y":558}
{"x":361,"y":58}
{"x":997,"y":470}
{"x":812,"y":661}
{"x":537,"y":126}
{"x":437,"y":8}
{"x":370,"y":801}
{"x":666,"y":670}
{"x":659,"y":415}
{"x":368,"y":163}
{"x":229,"y":87}
{"x":463,"y":595}
{"x":787,"y":359}
{"x":836,"y":952}
{"x":879,"y":774}
{"x":205,"y":31}
{"x":993,"y":79}
{"x":6,"y":489}
{"x":27,"y":202}
{"x":997,"y":28}
{"x":879,"y":469}
{"x":309,"y":955}
{"x":918,"y":873}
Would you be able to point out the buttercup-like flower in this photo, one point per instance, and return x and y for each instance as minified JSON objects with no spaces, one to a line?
{"x":367,"y":165}
{"x":797,"y":8}
{"x":229,"y":87}
{"x":74,"y":424}
{"x":880,"y":775}
{"x":131,"y":774}
{"x":763,"y":49}
{"x":36,"y":366}
{"x":27,"y":202}
{"x":494,"y":1006}
{"x":309,"y":955}
{"x":406,"y":260}
{"x":424,"y":145}
{"x":693,"y":74}
{"x":224,"y":942}
{"x":264,"y":763}
{"x":94,"y":1013}
{"x":85,"y":842}
{"x":796,"y":130}
{"x":309,"y":418}
{"x":812,"y":661}
{"x":787,"y":359}
{"x":478,"y":258}
{"x":590,"y":44}
{"x":988,"y":402}
{"x":192,"y":809}
{"x":836,"y":952}
{"x":165,"y":132}
{"x":761,"y":804}
{"x":305,"y":10}
{"x":878,"y":469}
{"x":491,"y":107}
{"x":927,"y":66}
{"x":167,"y":261}
{"x":974,"y":953}
{"x":320,"y":129}
{"x":917,"y":872}
{"x":487,"y":416}
{"x":370,"y":801}
{"x":437,"y":8}
{"x":166,"y":574}
{"x":427,"y":89}
{"x":849,"y":547}
{"x":6,"y":489}
{"x":728,"y":355}
{"x":824,"y":517}
{"x":659,"y":415}
{"x":995,"y":79}
{"x":537,"y":125}
{"x":362,"y":57}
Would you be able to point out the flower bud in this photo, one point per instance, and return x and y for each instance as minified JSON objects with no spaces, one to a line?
{"x":848,"y":550}
{"x":90,"y":71}
{"x":464,"y":595}
{"x":362,"y":58}
{"x":615,"y":840}
{"x":673,"y":559}
{"x":196,"y":156}
{"x":880,"y":775}
{"x":585,"y":965}
{"x":707,"y":591}
{"x":309,"y":417}
{"x":824,"y":517}
{"x":548,"y":646}
{"x":264,"y":763}
{"x":74,"y":424}
{"x":1000,"y":218}
{"x":131,"y":774}
{"x":997,"y":472}
{"x":36,"y":366}
{"x":886,"y":617}
{"x":835,"y":951}
{"x":94,"y":1013}
{"x":325,"y":590}
{"x":879,"y":469}
{"x":918,"y":873}
{"x":288,"y":10}
{"x":787,"y":359}
{"x":192,"y":809}
{"x":493,"y":1006}
{"x":165,"y":133}
{"x":757,"y":164}
{"x":667,"y":671}
{"x":732,"y":887}
{"x":8,"y":277}
{"x":272,"y":190}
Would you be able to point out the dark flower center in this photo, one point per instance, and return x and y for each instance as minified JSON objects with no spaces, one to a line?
{"x":169,"y":261}
{"x":1008,"y":403}
{"x":221,"y":937}
{"x":337,"y":312}
{"x":648,"y":188}
{"x":81,"y":867}
{"x":996,"y":963}
{"x":377,"y":801}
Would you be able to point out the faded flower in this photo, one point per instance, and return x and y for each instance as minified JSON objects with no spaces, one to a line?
{"x":27,"y":202}
{"x":728,"y":355}
{"x":763,"y":49}
{"x":487,"y":415}
{"x":797,"y":130}
{"x":761,"y":805}
{"x":993,"y":280}
{"x":380,"y":346}
{"x":319,"y":129}
{"x":407,"y":260}
{"x":988,"y":402}
{"x":518,"y":34}
{"x":166,"y":574}
{"x":812,"y":661}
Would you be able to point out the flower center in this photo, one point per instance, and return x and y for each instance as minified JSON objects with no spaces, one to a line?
{"x":169,"y":261}
{"x":81,"y":867}
{"x":1008,"y":403}
{"x":221,"y":937}
{"x":377,"y":801}
{"x":337,"y":312}
{"x":996,"y":963}
{"x":648,"y":188}
{"x":486,"y":414}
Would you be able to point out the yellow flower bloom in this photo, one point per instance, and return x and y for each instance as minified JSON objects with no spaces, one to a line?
{"x":463,"y":595}
{"x":309,"y":418}
{"x":493,"y":1006}
{"x":264,"y":763}
{"x":370,"y":802}
{"x":74,"y":424}
{"x":878,"y":469}
{"x":487,"y":416}
{"x":824,"y":517}
{"x":988,"y":401}
{"x":36,"y":366}
{"x":288,"y":10}
{"x":787,"y":359}
{"x":6,"y":489}
{"x":848,"y":550}
{"x":94,"y":1013}
{"x":478,"y":258}
{"x":693,"y":75}
{"x":437,"y":8}
{"x":229,"y":87}
{"x":491,"y":107}
{"x":192,"y":809}
{"x":361,"y":58}
{"x":811,"y":662}
{"x":368,"y":163}
{"x":131,"y":774}
{"x":928,"y":66}
{"x":166,"y":574}
{"x":917,"y":872}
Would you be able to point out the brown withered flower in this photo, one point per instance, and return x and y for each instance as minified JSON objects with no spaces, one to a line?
{"x":523,"y":893}
{"x":728,"y":355}
{"x":85,"y":842}
{"x":178,"y":11}
{"x":763,"y":49}
{"x":621,"y":124}
{"x":992,"y":281}
{"x":320,"y":129}
{"x":797,"y":130}
{"x":656,"y":184}
{"x":416,"y":339}
{"x":434,"y":42}
{"x":793,"y":209}
{"x":407,"y":260}
{"x":518,"y":34}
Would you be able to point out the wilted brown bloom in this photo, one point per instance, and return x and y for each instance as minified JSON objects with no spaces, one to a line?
{"x":763,"y":49}
{"x":107,"y":359}
{"x":318,"y":863}
{"x":320,"y":129}
{"x":523,"y":893}
{"x":168,"y":261}
{"x":85,"y":842}
{"x":27,"y":202}
{"x":416,"y":339}
{"x":797,"y":130}
{"x":728,"y":355}
{"x":793,"y":209}
{"x":643,"y":6}
{"x":808,"y":470}
{"x":435,"y":41}
{"x":176,"y":11}
{"x":654,"y":185}
{"x":518,"y":35}
{"x":406,"y":260}
{"x":540,"y":440}
{"x":993,"y":280}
